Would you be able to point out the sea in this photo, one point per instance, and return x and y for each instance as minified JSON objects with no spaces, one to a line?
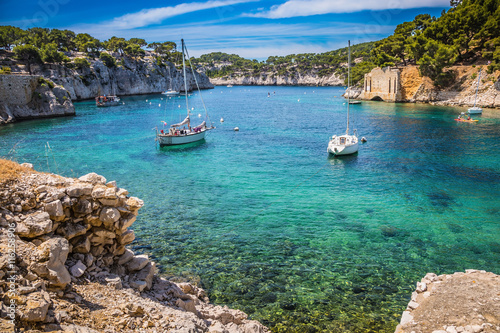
{"x":266,"y":222}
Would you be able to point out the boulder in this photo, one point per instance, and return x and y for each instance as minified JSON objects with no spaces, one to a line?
{"x":55,"y":210}
{"x":126,"y":238}
{"x":70,"y":230}
{"x":79,"y":190}
{"x":81,"y":245}
{"x":93,"y":178}
{"x":127,"y":221}
{"x":36,"y":310}
{"x":52,"y":255}
{"x":109,"y":215}
{"x":35,"y":225}
{"x":78,"y":269}
{"x":139,"y":285}
{"x":146,"y":274}
{"x":138,"y":262}
{"x":83,"y":207}
{"x":126,"y":257}
{"x":114,"y":281}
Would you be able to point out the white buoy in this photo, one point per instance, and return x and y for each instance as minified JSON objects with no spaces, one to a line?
{"x":146,"y":101}
{"x":236,"y":129}
{"x":179,"y":105}
{"x":192,"y":108}
{"x":199,"y":115}
{"x":298,"y":100}
{"x":149,"y":103}
{"x":221,"y":120}
{"x":159,"y":105}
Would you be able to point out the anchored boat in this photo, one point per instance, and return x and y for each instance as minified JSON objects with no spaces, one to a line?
{"x":182,"y":133}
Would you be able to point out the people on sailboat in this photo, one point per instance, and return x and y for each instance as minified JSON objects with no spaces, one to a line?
{"x":468,"y":118}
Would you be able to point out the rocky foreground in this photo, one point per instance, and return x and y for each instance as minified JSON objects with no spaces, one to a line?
{"x":64,"y":265}
{"x":456,"y":303}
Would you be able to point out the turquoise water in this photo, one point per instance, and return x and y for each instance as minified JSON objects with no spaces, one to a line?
{"x":267,"y":223}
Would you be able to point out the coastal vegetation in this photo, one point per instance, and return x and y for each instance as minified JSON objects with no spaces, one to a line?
{"x":45,"y":46}
{"x":466,"y":33}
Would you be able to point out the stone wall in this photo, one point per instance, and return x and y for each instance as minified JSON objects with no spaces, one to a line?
{"x":72,"y":270}
{"x":382,"y":84}
{"x":17,"y":89}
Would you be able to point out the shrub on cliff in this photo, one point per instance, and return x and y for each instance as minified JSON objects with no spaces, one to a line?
{"x":81,"y":63}
{"x":29,"y":54}
{"x":5,"y":70}
{"x":108,"y":60}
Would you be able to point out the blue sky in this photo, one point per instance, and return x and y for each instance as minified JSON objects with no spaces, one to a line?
{"x":250,"y":28}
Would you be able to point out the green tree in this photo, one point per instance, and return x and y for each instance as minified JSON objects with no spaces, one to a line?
{"x":88,"y":44}
{"x":29,"y":54}
{"x":64,"y":39}
{"x":437,"y":57}
{"x":116,"y":44}
{"x":108,"y":60}
{"x":10,"y":35}
{"x":139,"y":41}
{"x":49,"y":53}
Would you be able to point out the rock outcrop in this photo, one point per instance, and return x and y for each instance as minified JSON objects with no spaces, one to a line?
{"x":458,"y":303}
{"x":31,"y":96}
{"x":64,"y":265}
{"x":272,"y":79}
{"x":129,"y":77}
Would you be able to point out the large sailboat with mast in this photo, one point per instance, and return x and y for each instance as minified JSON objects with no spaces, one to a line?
{"x":345,"y":144}
{"x":182,"y":133}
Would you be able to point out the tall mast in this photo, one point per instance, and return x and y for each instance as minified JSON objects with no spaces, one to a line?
{"x":184,"y":71}
{"x":477,"y":88}
{"x":348,"y":83}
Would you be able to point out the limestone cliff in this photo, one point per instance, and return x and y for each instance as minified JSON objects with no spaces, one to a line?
{"x":25,"y":96}
{"x":273,"y":79}
{"x":64,"y":264}
{"x":31,"y":96}
{"x":129,"y":77}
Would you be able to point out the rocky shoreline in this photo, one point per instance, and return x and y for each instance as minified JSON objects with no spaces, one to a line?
{"x":65,"y":266}
{"x":454,"y":303}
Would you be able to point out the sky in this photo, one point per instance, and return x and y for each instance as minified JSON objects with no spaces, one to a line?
{"x":253,"y":29}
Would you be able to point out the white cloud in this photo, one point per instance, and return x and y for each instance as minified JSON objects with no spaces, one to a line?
{"x":294,"y":8}
{"x":151,"y":16}
{"x":255,"y":41}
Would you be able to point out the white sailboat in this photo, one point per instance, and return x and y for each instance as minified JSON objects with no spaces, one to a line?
{"x":475,"y":109}
{"x":345,"y":144}
{"x":182,"y":133}
{"x":170,"y":91}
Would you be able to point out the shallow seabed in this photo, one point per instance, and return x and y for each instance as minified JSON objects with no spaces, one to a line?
{"x":267,"y":223}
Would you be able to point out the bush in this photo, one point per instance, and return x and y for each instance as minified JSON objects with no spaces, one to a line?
{"x":81,"y":63}
{"x":43,"y":81}
{"x":5,"y":70}
{"x":108,"y":60}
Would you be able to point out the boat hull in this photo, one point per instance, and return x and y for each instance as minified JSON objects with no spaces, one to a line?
{"x":106,"y":104}
{"x":171,"y":93}
{"x":343,"y":150}
{"x":343,"y":145}
{"x":174,"y":140}
{"x":475,"y":110}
